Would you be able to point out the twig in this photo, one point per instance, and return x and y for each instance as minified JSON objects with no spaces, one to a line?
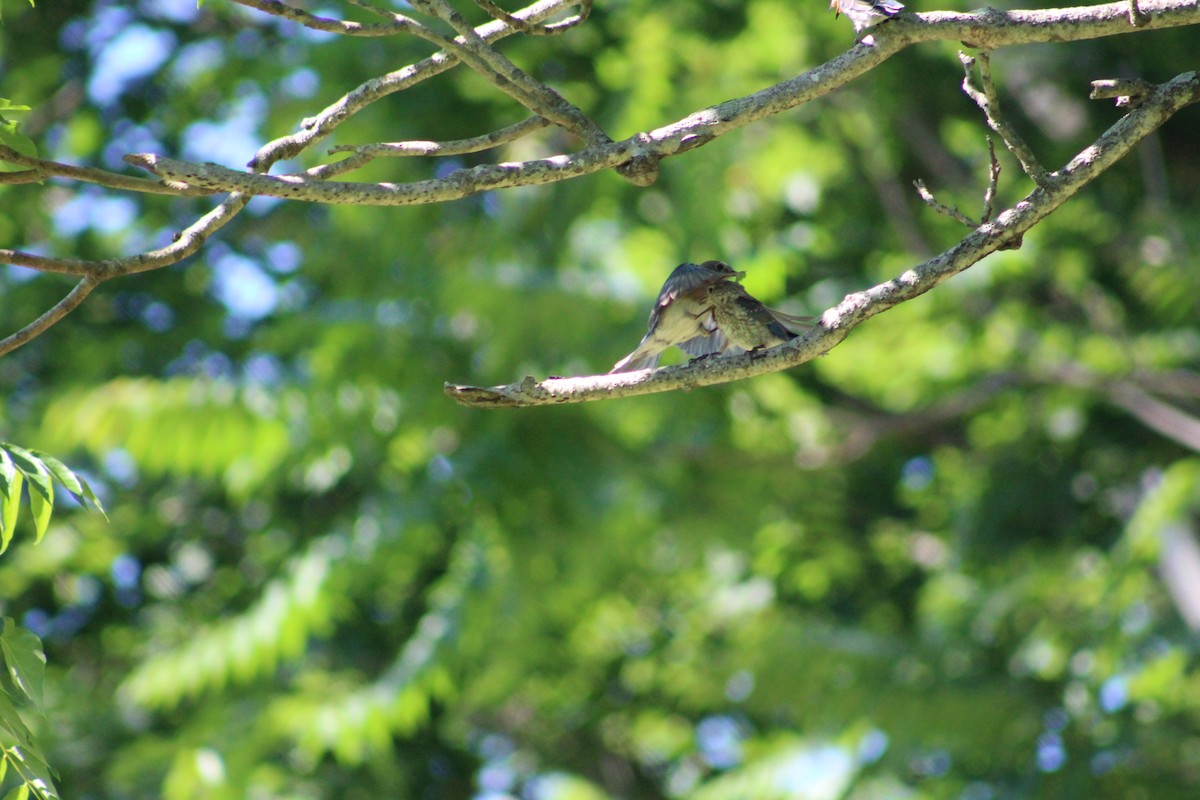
{"x":323,"y":124}
{"x":362,"y":154}
{"x":585,"y":10}
{"x":950,"y":211}
{"x":185,"y":244}
{"x":1137,"y":17}
{"x":456,"y":147}
{"x":511,"y":79}
{"x":989,"y":194}
{"x":1129,"y":92}
{"x":837,"y":322}
{"x":1158,"y":415}
{"x":53,"y":315}
{"x":398,"y":23}
{"x":986,"y":98}
{"x":113,"y":180}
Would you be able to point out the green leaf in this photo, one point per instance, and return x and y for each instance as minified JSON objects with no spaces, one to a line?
{"x":9,"y":105}
{"x":9,"y":509}
{"x":61,"y":472}
{"x":18,"y":793}
{"x":7,"y":472}
{"x":34,"y":469}
{"x":42,"y":510}
{"x":77,"y":486}
{"x":13,"y":732}
{"x":32,"y":767}
{"x":12,"y":137}
{"x":26,"y":662}
{"x":90,"y":495}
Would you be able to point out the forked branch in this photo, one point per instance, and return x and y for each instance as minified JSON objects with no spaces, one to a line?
{"x":836,"y":323}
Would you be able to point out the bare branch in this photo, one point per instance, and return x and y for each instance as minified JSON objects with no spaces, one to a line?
{"x":989,"y":194}
{"x":43,"y":169}
{"x":364,"y":153}
{"x":1128,"y":91}
{"x":186,"y":243}
{"x":215,"y":179}
{"x":1137,"y":17}
{"x":837,"y":322}
{"x":950,"y":211}
{"x":697,"y":129}
{"x":56,"y":312}
{"x":1157,"y":415}
{"x":398,"y":24}
{"x":585,"y":10}
{"x":322,"y":124}
{"x":989,"y":102}
{"x":457,"y":147}
{"x":511,"y":79}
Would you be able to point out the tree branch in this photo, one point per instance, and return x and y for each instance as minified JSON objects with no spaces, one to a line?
{"x":994,"y":28}
{"x":42,"y":169}
{"x":636,"y":157}
{"x":585,"y":10}
{"x":836,"y":323}
{"x":322,"y":124}
{"x":56,"y":312}
{"x":190,"y":240}
{"x":988,"y":101}
{"x":457,"y":147}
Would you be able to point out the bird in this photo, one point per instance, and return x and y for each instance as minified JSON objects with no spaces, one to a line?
{"x":745,"y":322}
{"x":865,"y":13}
{"x":681,"y":316}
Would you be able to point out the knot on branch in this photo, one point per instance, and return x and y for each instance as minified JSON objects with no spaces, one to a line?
{"x":641,"y":170}
{"x":1130,"y":92}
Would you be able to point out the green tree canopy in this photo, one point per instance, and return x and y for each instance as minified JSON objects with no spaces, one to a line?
{"x":952,"y":557}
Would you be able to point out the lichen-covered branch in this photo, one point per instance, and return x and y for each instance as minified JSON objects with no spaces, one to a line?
{"x":326,"y":121}
{"x":837,"y":322}
{"x":186,"y":243}
{"x":986,"y":98}
{"x":53,"y":315}
{"x":991,"y":27}
{"x":636,"y":157}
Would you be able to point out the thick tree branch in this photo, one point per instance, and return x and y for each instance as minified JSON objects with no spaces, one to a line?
{"x":836,"y":323}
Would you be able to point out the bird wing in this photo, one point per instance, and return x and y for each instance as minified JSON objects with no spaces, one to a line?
{"x":683,"y":280}
{"x":714,"y":342}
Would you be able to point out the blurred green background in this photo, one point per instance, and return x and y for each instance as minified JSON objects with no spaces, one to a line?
{"x":924,"y":566}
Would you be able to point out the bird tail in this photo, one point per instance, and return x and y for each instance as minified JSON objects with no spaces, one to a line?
{"x":792,"y":319}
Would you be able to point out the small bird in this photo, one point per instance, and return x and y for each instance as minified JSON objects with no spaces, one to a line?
{"x":865,"y":13}
{"x":746,"y":322}
{"x":682,"y":316}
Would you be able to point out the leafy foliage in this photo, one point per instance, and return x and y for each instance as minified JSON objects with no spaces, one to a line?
{"x":20,"y":467}
{"x":925,"y":566}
